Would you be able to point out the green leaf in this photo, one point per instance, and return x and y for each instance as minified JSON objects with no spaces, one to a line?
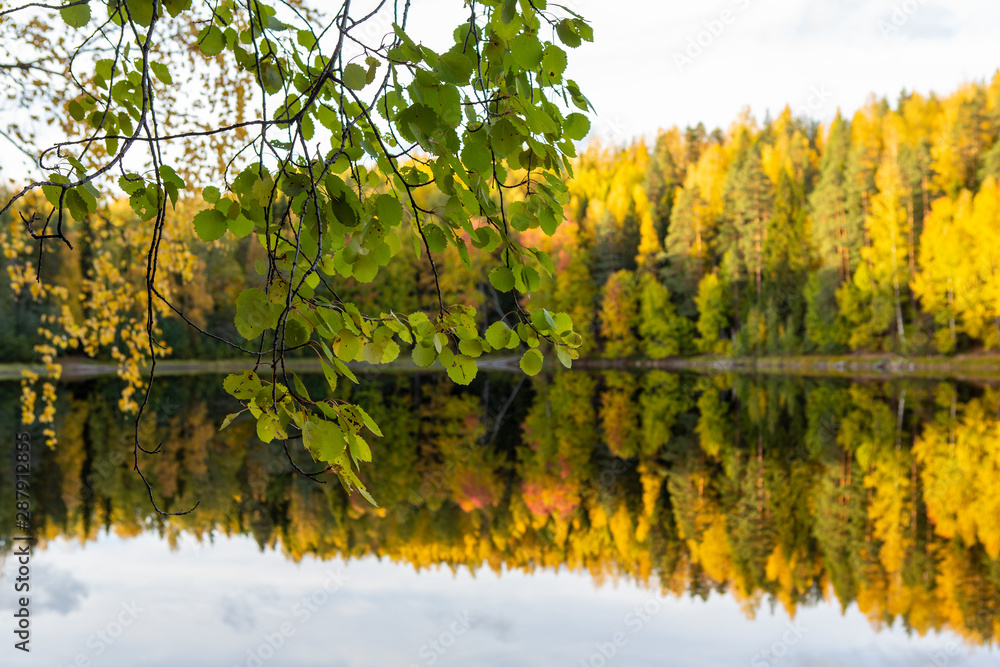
{"x":272,"y":78}
{"x":130,"y":183}
{"x":161,"y":72}
{"x":360,"y":451}
{"x":254,"y":313}
{"x":576,"y":126}
{"x":567,"y":33}
{"x":52,"y":192}
{"x":364,"y":492}
{"x":554,"y":61}
{"x":498,"y":335}
{"x":462,"y":369}
{"x":77,"y":206}
{"x":324,"y":439}
{"x":347,"y":346}
{"x":175,"y":7}
{"x":306,"y":39}
{"x":547,"y":316}
{"x":548,"y":221}
{"x":241,"y":226}
{"x":297,"y":331}
{"x":508,"y":11}
{"x":477,"y":157}
{"x":502,"y":279}
{"x":471,"y":348}
{"x":300,"y":387}
{"x":531,"y":362}
{"x":76,"y":110}
{"x":267,"y":428}
{"x":140,"y":11}
{"x":355,"y":76}
{"x":436,"y":240}
{"x":210,"y":224}
{"x":526,"y":51}
{"x":211,"y":41}
{"x":390,"y":212}
{"x":76,"y":16}
{"x":564,"y":357}
{"x":242,"y":385}
{"x":369,"y":422}
{"x":505,"y":137}
{"x":454,"y":67}
{"x":563,"y":323}
{"x":330,"y":374}
{"x":210,"y":194}
{"x":423,"y":356}
{"x":229,"y":420}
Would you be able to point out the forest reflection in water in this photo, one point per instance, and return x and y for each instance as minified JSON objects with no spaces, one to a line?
{"x":883,"y":494}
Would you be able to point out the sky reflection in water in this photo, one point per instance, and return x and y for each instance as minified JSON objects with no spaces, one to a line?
{"x":216,"y":605}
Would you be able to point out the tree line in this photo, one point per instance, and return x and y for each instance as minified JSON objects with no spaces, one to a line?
{"x":878,"y":232}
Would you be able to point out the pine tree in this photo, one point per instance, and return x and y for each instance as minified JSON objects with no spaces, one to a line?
{"x":662,"y":332}
{"x":750,"y":204}
{"x":712,"y":315}
{"x":665,"y":174}
{"x":685,"y":256}
{"x":619,"y":315}
{"x":836,"y":245}
{"x":787,"y":260}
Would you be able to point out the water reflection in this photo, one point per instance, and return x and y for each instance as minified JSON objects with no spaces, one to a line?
{"x":882,"y":494}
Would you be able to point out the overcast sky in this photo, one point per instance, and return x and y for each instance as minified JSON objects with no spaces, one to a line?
{"x":643,"y":73}
{"x":656,"y":64}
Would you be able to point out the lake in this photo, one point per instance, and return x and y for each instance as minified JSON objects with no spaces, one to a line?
{"x":583,"y":518}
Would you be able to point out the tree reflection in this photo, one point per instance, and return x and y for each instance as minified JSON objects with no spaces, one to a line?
{"x":880,"y":494}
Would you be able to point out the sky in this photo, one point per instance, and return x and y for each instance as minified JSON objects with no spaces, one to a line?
{"x":126,"y":602}
{"x":658,"y":64}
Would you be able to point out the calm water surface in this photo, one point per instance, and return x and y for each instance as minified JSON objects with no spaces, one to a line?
{"x":580,"y":519}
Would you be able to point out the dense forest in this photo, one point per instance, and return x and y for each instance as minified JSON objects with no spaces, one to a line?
{"x":876,"y":232}
{"x":883,"y":494}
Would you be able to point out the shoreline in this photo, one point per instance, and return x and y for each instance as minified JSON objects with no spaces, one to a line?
{"x":969,"y":366}
{"x":872,"y":366}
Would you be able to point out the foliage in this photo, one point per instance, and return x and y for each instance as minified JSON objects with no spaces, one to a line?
{"x":619,"y":315}
{"x":328,"y":145}
{"x":712,"y":317}
{"x":662,"y":332}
